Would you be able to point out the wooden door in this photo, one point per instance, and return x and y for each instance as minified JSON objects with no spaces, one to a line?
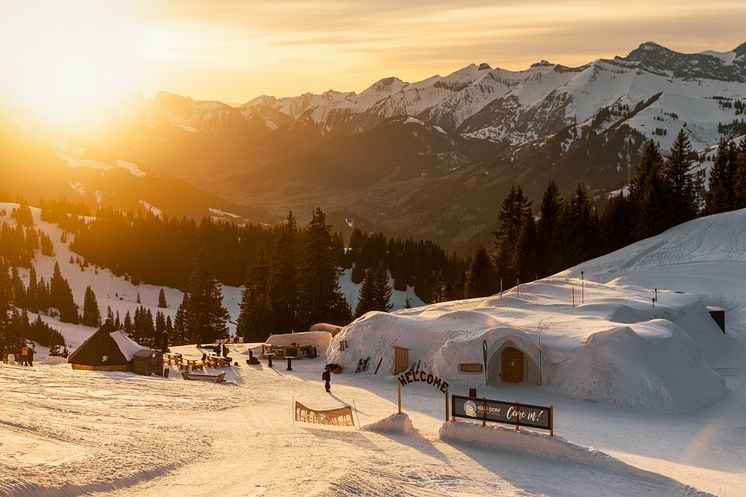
{"x":512,"y":365}
{"x":401,"y":359}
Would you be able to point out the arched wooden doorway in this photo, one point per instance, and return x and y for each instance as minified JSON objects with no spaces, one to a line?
{"x":511,"y":369}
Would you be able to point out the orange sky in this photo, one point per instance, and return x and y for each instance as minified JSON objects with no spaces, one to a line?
{"x":84,"y":51}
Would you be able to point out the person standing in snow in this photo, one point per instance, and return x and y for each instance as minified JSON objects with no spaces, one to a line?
{"x":30,"y":356}
{"x":327,"y":376}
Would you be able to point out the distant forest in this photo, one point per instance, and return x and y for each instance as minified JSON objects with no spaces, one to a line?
{"x":290,"y":273}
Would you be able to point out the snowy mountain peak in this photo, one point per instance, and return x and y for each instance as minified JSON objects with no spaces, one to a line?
{"x":484,"y":67}
{"x":542,"y":63}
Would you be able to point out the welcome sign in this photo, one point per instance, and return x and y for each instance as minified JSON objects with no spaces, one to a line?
{"x":497,"y":411}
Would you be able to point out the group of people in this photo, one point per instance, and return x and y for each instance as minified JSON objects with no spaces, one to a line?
{"x":24,"y":356}
{"x":219,"y":350}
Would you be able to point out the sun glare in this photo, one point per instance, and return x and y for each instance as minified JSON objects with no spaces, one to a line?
{"x":68,"y":61}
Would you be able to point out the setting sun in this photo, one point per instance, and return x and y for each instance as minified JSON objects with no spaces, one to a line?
{"x":68,"y":61}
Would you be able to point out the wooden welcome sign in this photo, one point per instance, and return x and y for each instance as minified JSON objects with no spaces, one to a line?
{"x":422,"y":377}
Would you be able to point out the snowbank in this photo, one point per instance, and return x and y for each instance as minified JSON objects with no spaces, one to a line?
{"x":396,"y":423}
{"x":319,"y":339}
{"x":54,"y":361}
{"x":498,"y":437}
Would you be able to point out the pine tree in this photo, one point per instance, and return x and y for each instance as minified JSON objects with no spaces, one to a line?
{"x":375,"y":292}
{"x":205,"y":318}
{"x":178,"y":337}
{"x":480,"y":278}
{"x":160,"y":327}
{"x":546,"y":230}
{"x":162,"y":299}
{"x":321,"y":298}
{"x":61,"y":297}
{"x":578,"y":232}
{"x":617,"y":223}
{"x":651,"y":195}
{"x":129,"y":328}
{"x":685,"y":182}
{"x":91,"y":313}
{"x":32,"y":293}
{"x":440,"y":289}
{"x":384,"y":290}
{"x":283,"y":277}
{"x":526,"y":253}
{"x":721,"y":194}
{"x":255,"y":319}
{"x":740,"y":176}
{"x":512,"y":214}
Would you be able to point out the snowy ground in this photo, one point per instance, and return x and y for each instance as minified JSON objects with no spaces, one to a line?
{"x":65,"y":432}
{"x":124,"y":435}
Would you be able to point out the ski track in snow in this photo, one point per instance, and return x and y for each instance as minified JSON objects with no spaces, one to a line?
{"x":122,"y":435}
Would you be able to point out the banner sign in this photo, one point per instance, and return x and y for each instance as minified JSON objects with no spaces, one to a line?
{"x":512,"y":413}
{"x":341,"y":416}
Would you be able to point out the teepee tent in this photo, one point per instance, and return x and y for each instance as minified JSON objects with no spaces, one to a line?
{"x":106,"y":350}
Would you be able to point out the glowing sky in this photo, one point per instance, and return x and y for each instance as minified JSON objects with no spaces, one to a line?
{"x":234,"y":50}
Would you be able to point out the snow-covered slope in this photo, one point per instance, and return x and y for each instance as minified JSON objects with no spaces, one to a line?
{"x":122,"y":296}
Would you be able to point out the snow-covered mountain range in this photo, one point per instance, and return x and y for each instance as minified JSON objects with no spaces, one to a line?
{"x":389,"y":156}
{"x":518,"y":106}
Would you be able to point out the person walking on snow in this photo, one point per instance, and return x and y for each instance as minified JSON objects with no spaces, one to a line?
{"x":327,"y":376}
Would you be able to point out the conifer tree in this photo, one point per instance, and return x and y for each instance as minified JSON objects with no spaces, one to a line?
{"x":91,"y":313}
{"x":480,"y":278}
{"x":685,"y":182}
{"x":513,"y":212}
{"x":255,"y":320}
{"x":375,"y":292}
{"x":546,"y":230}
{"x":61,"y":297}
{"x":283,"y":277}
{"x":440,"y":289}
{"x":178,"y":337}
{"x":651,"y":195}
{"x":721,"y":194}
{"x":617,"y":223}
{"x":527,"y":267}
{"x":740,"y":176}
{"x":205,"y":318}
{"x":32,"y":293}
{"x":160,"y":327}
{"x":128,"y":326}
{"x":321,"y":298}
{"x":578,"y":232}
{"x":162,"y":299}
